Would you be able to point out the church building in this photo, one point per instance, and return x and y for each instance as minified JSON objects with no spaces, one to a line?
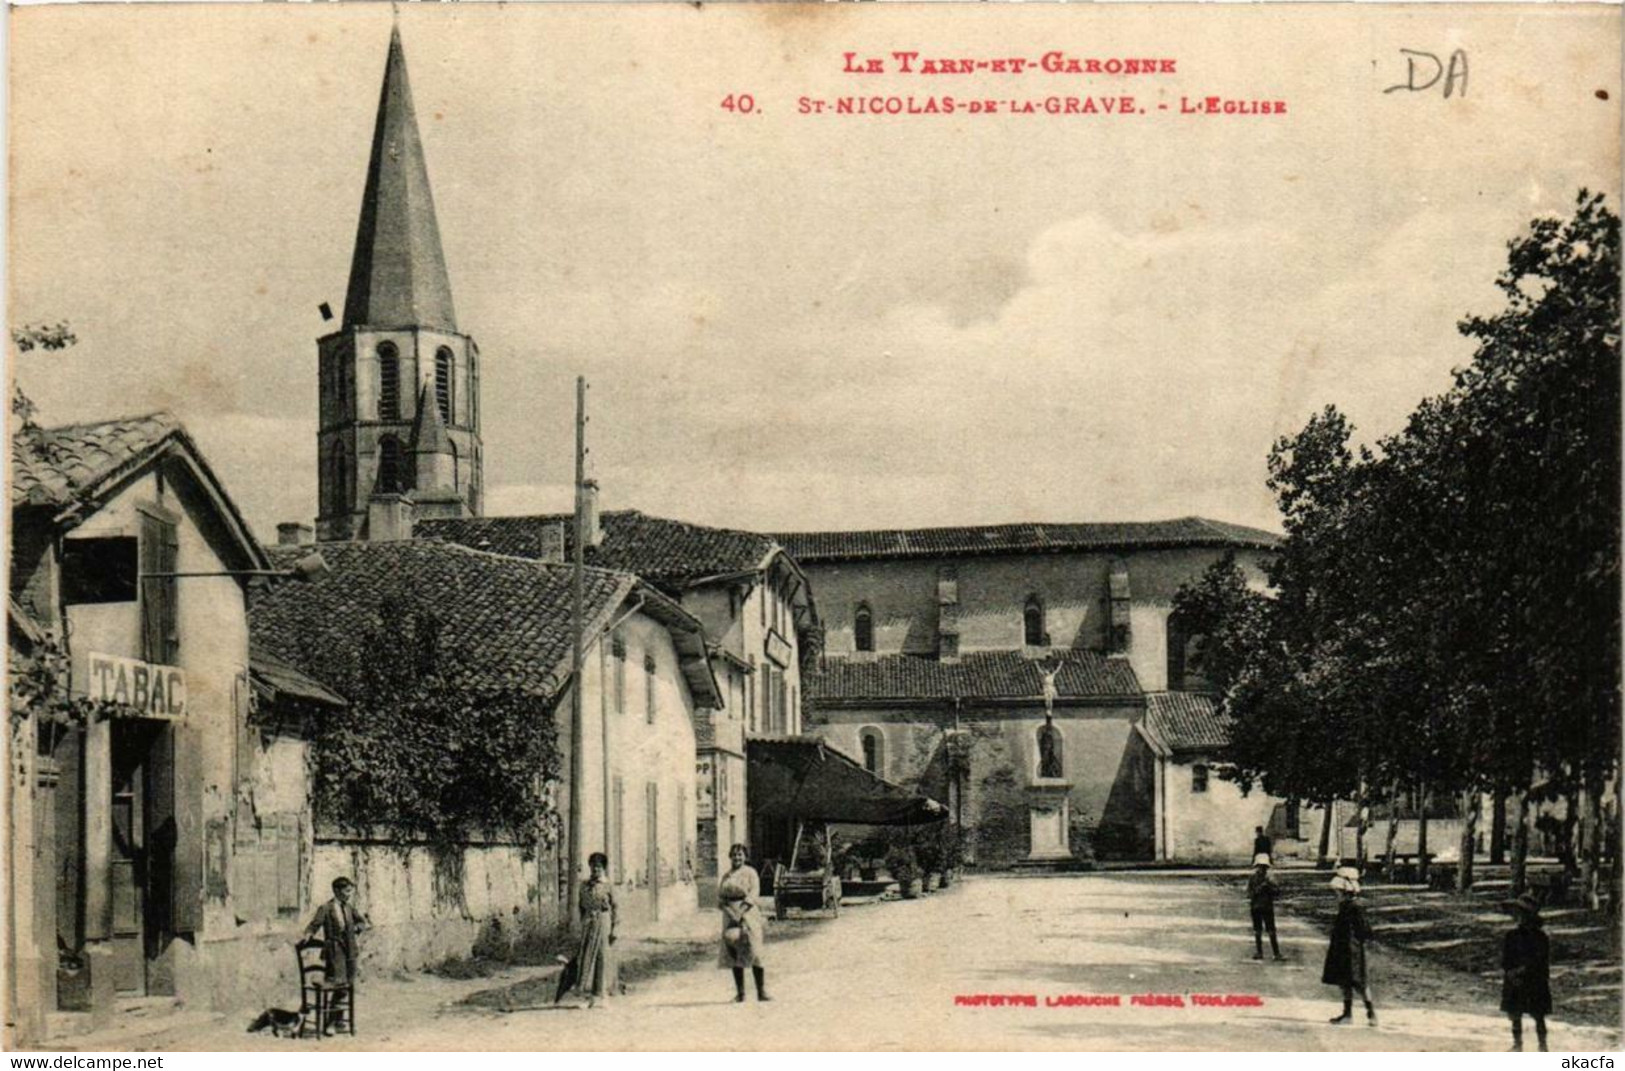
{"x":399,"y":421}
{"x":1034,"y":677}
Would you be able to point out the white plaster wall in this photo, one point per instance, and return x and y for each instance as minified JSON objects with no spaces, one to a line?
{"x":1215,"y":826}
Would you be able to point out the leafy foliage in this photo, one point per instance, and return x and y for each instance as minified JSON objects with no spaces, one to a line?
{"x":423,"y":756}
{"x":1446,"y":608}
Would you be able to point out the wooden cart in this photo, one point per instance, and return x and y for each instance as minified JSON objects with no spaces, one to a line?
{"x":807,"y":890}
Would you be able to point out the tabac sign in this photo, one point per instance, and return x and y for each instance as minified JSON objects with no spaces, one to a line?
{"x":152,"y":690}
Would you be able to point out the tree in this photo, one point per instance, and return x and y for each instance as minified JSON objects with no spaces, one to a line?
{"x":27,"y":338}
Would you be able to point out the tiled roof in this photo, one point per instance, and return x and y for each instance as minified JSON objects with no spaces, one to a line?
{"x":504,"y":622}
{"x":1186,"y":721}
{"x":978,"y":675}
{"x":53,"y":466}
{"x":274,"y":677}
{"x":810,"y":547}
{"x":659,"y":550}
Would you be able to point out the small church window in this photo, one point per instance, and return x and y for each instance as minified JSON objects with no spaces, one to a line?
{"x":1199,"y":778}
{"x":1033,"y":623}
{"x":474,"y":390}
{"x":389,"y":382}
{"x":443,"y":382}
{"x":863,"y":629}
{"x":874,"y":754}
{"x":389,"y":465}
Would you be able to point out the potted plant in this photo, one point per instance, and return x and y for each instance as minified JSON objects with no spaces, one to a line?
{"x":905,"y":870}
{"x":950,"y":855}
{"x":929,"y":854}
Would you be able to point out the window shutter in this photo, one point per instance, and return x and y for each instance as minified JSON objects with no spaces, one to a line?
{"x":159,"y":551}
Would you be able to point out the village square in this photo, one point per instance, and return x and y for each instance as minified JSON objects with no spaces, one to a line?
{"x":408,"y":769}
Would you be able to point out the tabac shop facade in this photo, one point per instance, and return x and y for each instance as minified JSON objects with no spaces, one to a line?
{"x":131,"y":824}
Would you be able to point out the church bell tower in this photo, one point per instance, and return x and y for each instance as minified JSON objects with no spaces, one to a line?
{"x":399,"y":431}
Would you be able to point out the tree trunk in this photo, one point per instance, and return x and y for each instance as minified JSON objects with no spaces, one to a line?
{"x":1520,"y":845}
{"x":1393,"y":831}
{"x":1469,"y":833}
{"x":1422,"y":832}
{"x":1326,"y":830}
{"x":1591,"y":842}
{"x":1362,"y":822}
{"x":1498,"y":828}
{"x":1567,"y":849}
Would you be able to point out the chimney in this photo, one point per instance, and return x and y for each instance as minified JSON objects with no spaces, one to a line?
{"x":591,"y":532}
{"x":551,"y":542}
{"x":294,"y":534}
{"x":389,"y":517}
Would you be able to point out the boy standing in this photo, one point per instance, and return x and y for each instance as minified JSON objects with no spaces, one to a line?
{"x":1261,"y":894}
{"x":1526,"y":986}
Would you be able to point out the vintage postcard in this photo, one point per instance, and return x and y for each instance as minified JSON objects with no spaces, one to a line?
{"x":814,"y":526}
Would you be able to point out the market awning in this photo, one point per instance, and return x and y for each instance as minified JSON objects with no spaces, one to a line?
{"x":804,"y":779}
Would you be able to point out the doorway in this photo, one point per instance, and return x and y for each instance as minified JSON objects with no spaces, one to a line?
{"x":142,"y":856}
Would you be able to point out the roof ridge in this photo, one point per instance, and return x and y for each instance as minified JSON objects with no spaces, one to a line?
{"x":161,"y":415}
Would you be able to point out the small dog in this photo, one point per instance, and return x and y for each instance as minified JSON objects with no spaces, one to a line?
{"x":280,"y":1022}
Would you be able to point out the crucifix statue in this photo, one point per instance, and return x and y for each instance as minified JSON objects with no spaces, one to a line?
{"x":1049,"y":690}
{"x":1049,"y":752}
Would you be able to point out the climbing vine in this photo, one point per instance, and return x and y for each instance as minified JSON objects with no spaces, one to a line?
{"x":39,"y":686}
{"x":424,"y":757}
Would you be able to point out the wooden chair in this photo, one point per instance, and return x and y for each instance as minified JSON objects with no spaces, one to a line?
{"x":319,"y":1000}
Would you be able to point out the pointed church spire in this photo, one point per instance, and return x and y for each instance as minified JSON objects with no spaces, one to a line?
{"x":398,"y":276}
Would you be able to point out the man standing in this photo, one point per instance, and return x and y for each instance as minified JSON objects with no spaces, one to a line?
{"x":1262,"y":845}
{"x":339,"y":924}
{"x":1261,"y":893}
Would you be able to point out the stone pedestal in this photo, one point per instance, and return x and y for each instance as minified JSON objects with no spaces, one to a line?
{"x":1049,"y":817}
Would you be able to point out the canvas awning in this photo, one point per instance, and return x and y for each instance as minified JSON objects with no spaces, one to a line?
{"x":803,"y":779}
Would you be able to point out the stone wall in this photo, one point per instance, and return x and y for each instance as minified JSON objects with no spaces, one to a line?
{"x":1110,"y":796}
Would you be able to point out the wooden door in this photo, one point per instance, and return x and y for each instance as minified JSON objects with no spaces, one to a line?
{"x":128,"y":860}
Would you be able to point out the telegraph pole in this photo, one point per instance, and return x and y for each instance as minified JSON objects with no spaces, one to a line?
{"x":578,"y":768}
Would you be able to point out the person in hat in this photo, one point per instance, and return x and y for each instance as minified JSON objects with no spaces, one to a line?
{"x":340,"y":924}
{"x":1261,"y":894}
{"x":1526,"y":987}
{"x":1345,"y":958}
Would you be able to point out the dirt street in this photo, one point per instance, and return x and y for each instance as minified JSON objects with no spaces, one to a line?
{"x":886,"y":976}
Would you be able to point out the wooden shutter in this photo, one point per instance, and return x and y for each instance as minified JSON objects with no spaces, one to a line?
{"x":159,"y":551}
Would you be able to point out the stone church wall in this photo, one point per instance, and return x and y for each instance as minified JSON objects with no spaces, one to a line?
{"x":1111,"y":799}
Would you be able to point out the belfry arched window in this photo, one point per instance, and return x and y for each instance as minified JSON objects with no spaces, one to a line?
{"x":389,"y":465}
{"x":874,"y":750}
{"x":389,"y":382}
{"x":863,"y":629}
{"x":1032,"y":622}
{"x":443,"y":387}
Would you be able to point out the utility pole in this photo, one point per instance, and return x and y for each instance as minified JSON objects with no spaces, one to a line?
{"x":578,"y":768}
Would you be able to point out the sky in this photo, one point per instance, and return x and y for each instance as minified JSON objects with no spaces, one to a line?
{"x":792,"y":321}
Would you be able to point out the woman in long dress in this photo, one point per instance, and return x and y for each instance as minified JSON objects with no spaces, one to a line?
{"x":743,"y":931}
{"x":1345,"y":957}
{"x":595,"y":957}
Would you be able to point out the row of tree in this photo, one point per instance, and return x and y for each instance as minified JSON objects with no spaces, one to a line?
{"x":1444,"y":612}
